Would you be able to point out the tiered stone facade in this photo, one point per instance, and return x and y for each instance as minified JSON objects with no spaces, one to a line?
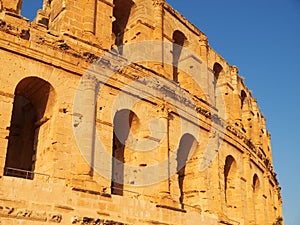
{"x":44,"y":176}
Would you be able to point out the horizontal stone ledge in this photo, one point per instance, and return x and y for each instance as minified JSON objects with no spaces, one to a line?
{"x":171,"y":208}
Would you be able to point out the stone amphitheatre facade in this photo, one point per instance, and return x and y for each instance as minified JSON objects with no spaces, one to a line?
{"x":91,"y":133}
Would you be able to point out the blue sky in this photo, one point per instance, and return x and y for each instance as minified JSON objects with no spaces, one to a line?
{"x":261,"y":37}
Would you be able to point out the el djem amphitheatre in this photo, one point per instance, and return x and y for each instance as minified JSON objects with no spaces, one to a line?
{"x":90,"y":136}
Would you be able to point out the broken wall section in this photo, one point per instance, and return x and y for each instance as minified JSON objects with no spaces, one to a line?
{"x":11,"y":6}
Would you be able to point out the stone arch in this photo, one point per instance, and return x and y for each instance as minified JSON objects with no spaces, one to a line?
{"x":255,"y":184}
{"x":218,"y":73}
{"x":217,"y":70}
{"x":121,"y":14}
{"x":243,"y":98}
{"x":178,"y":42}
{"x":230,"y":175}
{"x":256,"y":197}
{"x":124,"y":121}
{"x":186,"y":146}
{"x":33,"y":107}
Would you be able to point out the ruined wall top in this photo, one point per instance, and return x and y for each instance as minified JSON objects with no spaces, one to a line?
{"x":11,"y":5}
{"x":104,"y":25}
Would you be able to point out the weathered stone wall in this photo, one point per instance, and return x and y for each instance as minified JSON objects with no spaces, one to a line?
{"x":44,"y":62}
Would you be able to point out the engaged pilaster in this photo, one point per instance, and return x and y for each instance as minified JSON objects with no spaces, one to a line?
{"x":89,"y":16}
{"x":88,"y":124}
{"x":159,"y":27}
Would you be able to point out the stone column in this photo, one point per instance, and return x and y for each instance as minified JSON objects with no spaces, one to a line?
{"x":165,"y":162}
{"x":216,"y":178}
{"x":204,"y":48}
{"x":235,"y":109}
{"x":164,"y":152}
{"x":206,"y":79}
{"x":249,"y":207}
{"x":88,"y":130}
{"x":158,"y":17}
{"x":250,"y":123}
{"x":207,"y":76}
{"x":256,"y":129}
{"x":89,"y":16}
{"x":6,"y":108}
{"x":268,"y":205}
{"x":159,"y":28}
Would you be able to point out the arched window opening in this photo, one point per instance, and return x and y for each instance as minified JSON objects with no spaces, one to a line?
{"x":217,"y":69}
{"x":230,"y":171}
{"x":243,"y":97}
{"x":186,"y":146}
{"x":21,"y":147}
{"x":256,"y":199}
{"x":178,"y":42}
{"x":121,"y":13}
{"x":255,"y":184}
{"x":124,"y":120}
{"x":32,"y":95}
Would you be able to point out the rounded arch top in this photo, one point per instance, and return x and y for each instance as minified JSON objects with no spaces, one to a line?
{"x":230,"y":166}
{"x":126,"y":115}
{"x":217,"y":67}
{"x":179,"y":38}
{"x":187,"y":146}
{"x":123,"y":121}
{"x":243,"y":98}
{"x":217,"y":70}
{"x":255,"y":183}
{"x":243,"y":94}
{"x":39,"y":92}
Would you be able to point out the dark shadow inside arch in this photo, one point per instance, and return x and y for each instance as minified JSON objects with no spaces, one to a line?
{"x":256,"y":199}
{"x":243,"y":97}
{"x":30,"y":102}
{"x":229,"y":173}
{"x":217,"y":72}
{"x":121,"y":13}
{"x":121,"y":128}
{"x":255,"y":183}
{"x":178,"y":42}
{"x":186,"y":145}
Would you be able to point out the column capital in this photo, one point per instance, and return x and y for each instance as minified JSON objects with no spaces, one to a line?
{"x":163,"y":111}
{"x":158,"y":2}
{"x":267,"y":175}
{"x":203,"y":40}
{"x":89,"y":82}
{"x":234,"y":70}
{"x":247,"y":156}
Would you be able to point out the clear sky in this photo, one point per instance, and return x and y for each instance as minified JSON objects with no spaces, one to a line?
{"x":261,"y":37}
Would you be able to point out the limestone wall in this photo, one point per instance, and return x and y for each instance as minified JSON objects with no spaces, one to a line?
{"x":48,"y":62}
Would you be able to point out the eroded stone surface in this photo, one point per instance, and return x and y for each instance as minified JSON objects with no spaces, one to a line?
{"x":51,"y":182}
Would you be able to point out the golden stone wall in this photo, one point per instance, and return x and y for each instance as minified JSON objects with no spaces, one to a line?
{"x":204,"y":158}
